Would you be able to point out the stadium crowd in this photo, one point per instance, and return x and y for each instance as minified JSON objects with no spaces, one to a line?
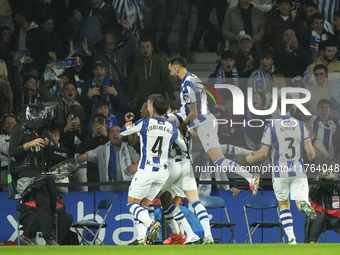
{"x":98,"y":61}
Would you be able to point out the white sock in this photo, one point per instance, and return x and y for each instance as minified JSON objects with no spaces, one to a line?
{"x":141,"y":231}
{"x":234,"y":150}
{"x":140,"y":213}
{"x":169,"y":216}
{"x":232,"y":166}
{"x":287,"y":223}
{"x":183,"y":222}
{"x":202,"y":215}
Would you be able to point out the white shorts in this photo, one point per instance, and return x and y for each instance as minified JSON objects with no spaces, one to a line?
{"x":207,"y":133}
{"x":147,"y":184}
{"x":296,"y":187}
{"x":181,"y":178}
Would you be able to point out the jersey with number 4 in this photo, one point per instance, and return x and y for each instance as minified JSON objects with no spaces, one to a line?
{"x":156,"y":138}
{"x":286,"y":136}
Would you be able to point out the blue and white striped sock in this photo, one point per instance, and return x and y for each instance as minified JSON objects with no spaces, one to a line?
{"x":151,"y":210}
{"x":169,"y":216}
{"x":140,"y":213}
{"x":202,"y":215}
{"x":287,"y":223}
{"x":232,"y":166}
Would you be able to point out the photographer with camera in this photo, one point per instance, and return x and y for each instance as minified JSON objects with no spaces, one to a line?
{"x":325,"y":201}
{"x":26,"y":146}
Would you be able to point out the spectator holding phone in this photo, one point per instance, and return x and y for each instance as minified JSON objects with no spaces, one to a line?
{"x":99,"y":136}
{"x":103,"y":107}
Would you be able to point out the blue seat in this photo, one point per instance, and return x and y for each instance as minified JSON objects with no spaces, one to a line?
{"x":88,"y":226}
{"x":261,"y":203}
{"x":213,"y":202}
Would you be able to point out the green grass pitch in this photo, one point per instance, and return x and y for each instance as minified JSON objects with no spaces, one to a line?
{"x":225,"y":249}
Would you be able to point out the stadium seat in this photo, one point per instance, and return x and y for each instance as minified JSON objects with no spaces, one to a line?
{"x":88,"y":227}
{"x":213,"y":202}
{"x":261,"y":203}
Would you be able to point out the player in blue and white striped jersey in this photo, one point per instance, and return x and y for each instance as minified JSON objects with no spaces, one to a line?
{"x":156,"y":138}
{"x":287,"y":137}
{"x":324,"y":126}
{"x":193,"y":97}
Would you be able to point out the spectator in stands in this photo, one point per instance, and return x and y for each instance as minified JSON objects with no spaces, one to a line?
{"x":5,"y":39}
{"x":276,"y":25}
{"x":6,"y":94}
{"x":150,"y":75}
{"x":52,"y":37}
{"x":103,"y":108}
{"x":119,"y":165}
{"x":335,"y":99}
{"x":324,"y":125}
{"x":312,"y":8}
{"x":320,"y":90}
{"x":62,"y":80}
{"x":71,"y":135}
{"x":317,"y":35}
{"x":247,"y":59}
{"x":114,"y":57}
{"x":99,"y":136}
{"x":225,"y":73}
{"x":292,"y":59}
{"x":102,"y":88}
{"x":336,"y":23}
{"x":66,"y":99}
{"x":327,"y":58}
{"x":243,"y":19}
{"x":26,"y":36}
{"x":30,"y":90}
{"x":204,"y":9}
{"x":8,"y":121}
{"x":171,"y":12}
{"x":258,"y":79}
{"x":325,"y":201}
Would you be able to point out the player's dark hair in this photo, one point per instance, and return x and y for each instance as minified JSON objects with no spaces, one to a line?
{"x":160,"y":105}
{"x":102,"y":103}
{"x":174,"y":105}
{"x":178,"y":60}
{"x":320,"y":66}
{"x":289,"y":107}
{"x":324,"y":102}
{"x":154,"y":96}
{"x":316,"y":16}
{"x":98,"y":115}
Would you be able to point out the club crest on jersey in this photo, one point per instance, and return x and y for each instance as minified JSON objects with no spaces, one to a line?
{"x":186,"y":97}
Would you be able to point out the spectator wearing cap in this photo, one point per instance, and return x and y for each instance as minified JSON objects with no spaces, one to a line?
{"x":276,"y":25}
{"x":150,"y":75}
{"x":247,"y":59}
{"x":243,"y":19}
{"x":102,"y":88}
{"x":292,"y":59}
{"x":258,"y":79}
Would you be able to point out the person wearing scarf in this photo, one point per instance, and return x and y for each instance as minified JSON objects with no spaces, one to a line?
{"x":225,"y":73}
{"x":102,"y":88}
{"x":258,"y":79}
{"x":117,"y":161}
